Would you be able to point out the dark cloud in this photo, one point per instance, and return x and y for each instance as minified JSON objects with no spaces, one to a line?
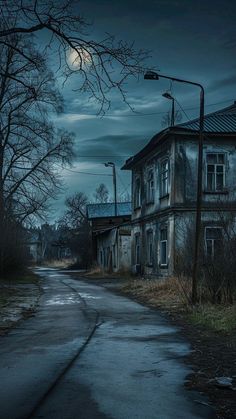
{"x":229,"y":81}
{"x":189,"y":39}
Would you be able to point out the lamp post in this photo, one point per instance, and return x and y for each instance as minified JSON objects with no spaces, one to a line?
{"x":170,"y":97}
{"x":111,"y":164}
{"x":152,"y":75}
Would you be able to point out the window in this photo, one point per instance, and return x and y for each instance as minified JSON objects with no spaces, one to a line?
{"x":163,"y":246}
{"x":164,"y":175}
{"x":137,"y":249}
{"x":114,"y":255}
{"x":101,"y":257}
{"x":150,"y":247}
{"x":137,"y":193}
{"x":215,"y":173}
{"x":213,"y":241}
{"x":150,"y":186}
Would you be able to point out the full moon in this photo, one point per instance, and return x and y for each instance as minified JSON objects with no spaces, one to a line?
{"x":80,"y":58}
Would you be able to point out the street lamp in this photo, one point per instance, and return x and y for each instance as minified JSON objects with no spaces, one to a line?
{"x":170,"y":97}
{"x":111,"y":164}
{"x":152,"y":75}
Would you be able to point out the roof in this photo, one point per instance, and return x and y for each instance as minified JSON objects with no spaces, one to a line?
{"x":108,"y":210}
{"x":221,"y":121}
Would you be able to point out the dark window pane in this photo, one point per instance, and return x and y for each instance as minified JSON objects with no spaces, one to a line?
{"x":210,"y":182}
{"x":221,"y":158}
{"x":219,"y":182}
{"x":164,"y":234}
{"x":219,"y":168}
{"x":212,"y":158}
{"x":210,"y":168}
{"x":163,"y":253}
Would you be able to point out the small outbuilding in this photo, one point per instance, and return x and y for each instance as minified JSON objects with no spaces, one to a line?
{"x":111,"y":235}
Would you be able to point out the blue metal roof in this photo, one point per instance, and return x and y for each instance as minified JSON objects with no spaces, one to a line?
{"x":108,"y":210}
{"x":220,"y":121}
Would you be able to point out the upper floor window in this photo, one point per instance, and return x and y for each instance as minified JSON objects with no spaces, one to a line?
{"x":164,"y":177}
{"x":150,"y":247}
{"x":150,"y":186}
{"x":163,"y":246}
{"x":213,"y":241}
{"x":215,"y":172}
{"x":137,"y":193}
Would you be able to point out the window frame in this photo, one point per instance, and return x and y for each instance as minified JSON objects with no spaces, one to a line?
{"x":164,"y":177}
{"x":150,"y":252}
{"x":214,"y":173}
{"x":212,"y":240}
{"x":137,"y":192}
{"x":164,"y":241}
{"x":150,"y":186}
{"x":137,"y":245}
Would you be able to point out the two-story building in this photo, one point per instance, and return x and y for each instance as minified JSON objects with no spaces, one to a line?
{"x":164,"y":189}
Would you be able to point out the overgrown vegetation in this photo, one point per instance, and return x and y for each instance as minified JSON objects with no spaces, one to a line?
{"x":174,"y":297}
{"x":217,"y":262}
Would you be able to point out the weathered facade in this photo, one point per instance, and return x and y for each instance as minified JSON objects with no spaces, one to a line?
{"x":164,"y":185}
{"x":114,"y":248}
{"x":111,"y":235}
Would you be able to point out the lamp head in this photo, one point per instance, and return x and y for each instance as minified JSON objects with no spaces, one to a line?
{"x":109,"y":164}
{"x":151,"y":75}
{"x":168,"y":96}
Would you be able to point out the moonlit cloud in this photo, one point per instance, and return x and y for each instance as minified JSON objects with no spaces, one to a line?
{"x":187,"y":39}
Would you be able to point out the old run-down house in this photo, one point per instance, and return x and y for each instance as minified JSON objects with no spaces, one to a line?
{"x":111,"y":235}
{"x":164,"y":185}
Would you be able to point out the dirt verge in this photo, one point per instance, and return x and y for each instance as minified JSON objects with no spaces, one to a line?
{"x":19,"y":295}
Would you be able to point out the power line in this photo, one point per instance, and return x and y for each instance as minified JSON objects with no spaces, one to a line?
{"x":86,"y":173}
{"x":108,"y":155}
{"x":138,"y":114}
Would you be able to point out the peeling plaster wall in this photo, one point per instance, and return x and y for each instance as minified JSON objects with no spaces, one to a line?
{"x":177,"y":210}
{"x":114,"y":249}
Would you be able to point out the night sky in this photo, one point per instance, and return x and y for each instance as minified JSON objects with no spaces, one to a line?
{"x":189,"y":39}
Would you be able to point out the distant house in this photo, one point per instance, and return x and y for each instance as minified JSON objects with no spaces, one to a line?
{"x":164,"y":185}
{"x":111,"y":235}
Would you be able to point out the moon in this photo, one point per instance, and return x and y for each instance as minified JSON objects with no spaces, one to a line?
{"x":80,"y":58}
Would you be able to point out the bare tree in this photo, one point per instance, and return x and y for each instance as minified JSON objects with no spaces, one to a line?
{"x":101,"y":194}
{"x":75,"y":213}
{"x":30,"y":146}
{"x":103,"y":65}
{"x":75,"y":229}
{"x":166,"y":120}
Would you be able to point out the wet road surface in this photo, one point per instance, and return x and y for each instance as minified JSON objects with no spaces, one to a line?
{"x":89,"y":353}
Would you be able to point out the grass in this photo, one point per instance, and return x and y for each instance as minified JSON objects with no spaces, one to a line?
{"x":159,"y":293}
{"x":215,"y":317}
{"x":173,"y":295}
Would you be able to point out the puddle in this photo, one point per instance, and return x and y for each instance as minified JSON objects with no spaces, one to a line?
{"x":73,"y":299}
{"x":88,"y":296}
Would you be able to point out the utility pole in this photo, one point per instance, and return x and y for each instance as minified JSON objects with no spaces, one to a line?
{"x":111,"y":164}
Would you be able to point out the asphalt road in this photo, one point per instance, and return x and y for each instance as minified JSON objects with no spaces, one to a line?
{"x":89,"y":353}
